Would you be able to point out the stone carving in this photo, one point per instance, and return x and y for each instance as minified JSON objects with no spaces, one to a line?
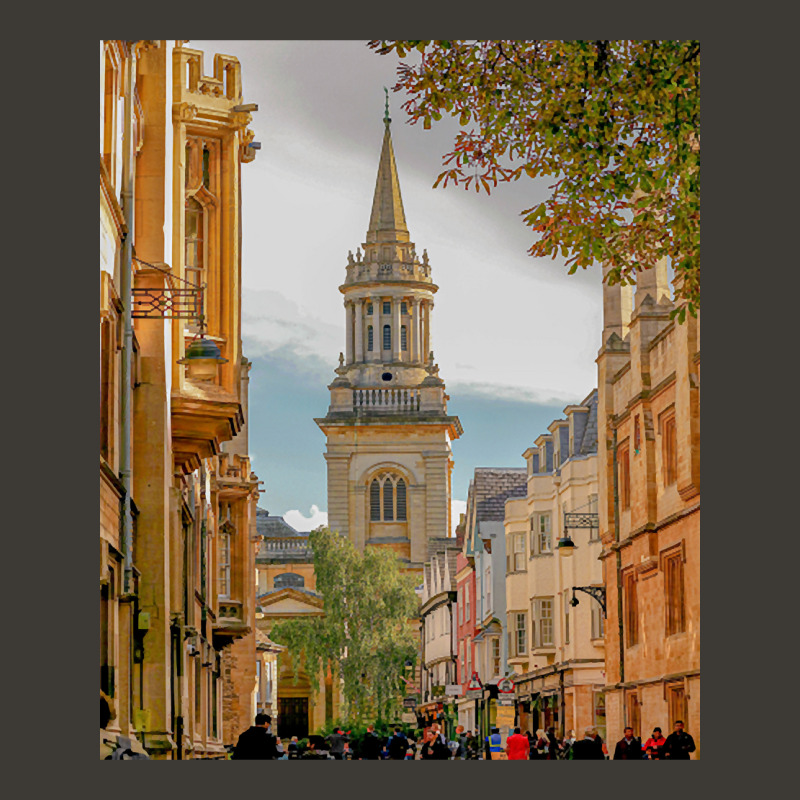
{"x":425,"y":257}
{"x":184,"y":112}
{"x":350,"y":259}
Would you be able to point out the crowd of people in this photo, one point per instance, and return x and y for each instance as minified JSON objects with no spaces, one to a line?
{"x":257,"y":742}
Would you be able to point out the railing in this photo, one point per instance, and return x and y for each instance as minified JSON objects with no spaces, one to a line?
{"x":395,"y":401}
{"x":286,"y":547}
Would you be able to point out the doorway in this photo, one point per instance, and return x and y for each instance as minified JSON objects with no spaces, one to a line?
{"x":292,"y":717}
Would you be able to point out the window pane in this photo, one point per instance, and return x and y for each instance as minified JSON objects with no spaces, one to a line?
{"x":404,"y":338}
{"x":388,"y":501}
{"x":401,"y":500}
{"x":387,"y":337}
{"x":387,"y":308}
{"x":375,"y":501}
{"x":369,"y":337}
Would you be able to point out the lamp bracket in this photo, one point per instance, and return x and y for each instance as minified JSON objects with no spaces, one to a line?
{"x":596,"y":592}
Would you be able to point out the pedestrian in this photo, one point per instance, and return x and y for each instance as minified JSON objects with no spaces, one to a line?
{"x":590,"y":747}
{"x":384,"y":753}
{"x":461,"y":740}
{"x":494,"y":746}
{"x":629,"y":747}
{"x":337,"y":740}
{"x":533,"y":753}
{"x":472,"y":746}
{"x":651,"y":754}
{"x":541,"y":743}
{"x":656,"y":742}
{"x":439,"y":748}
{"x":371,"y":745}
{"x":566,"y":745}
{"x":553,"y":747}
{"x":517,"y":746}
{"x":347,"y":753}
{"x":315,"y":750}
{"x":257,"y":742}
{"x":293,"y":748}
{"x":398,"y":745}
{"x":679,"y":743}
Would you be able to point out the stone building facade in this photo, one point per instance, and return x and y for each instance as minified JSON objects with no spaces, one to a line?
{"x":387,"y":429}
{"x":649,"y":487}
{"x":485,"y":548}
{"x":438,"y":618}
{"x":177,"y":492}
{"x":555,"y":648}
{"x":287,"y":589}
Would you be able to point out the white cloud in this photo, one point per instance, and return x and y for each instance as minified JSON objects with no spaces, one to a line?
{"x":302,"y":523}
{"x":457,"y":508}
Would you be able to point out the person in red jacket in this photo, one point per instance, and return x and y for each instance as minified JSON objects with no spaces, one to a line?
{"x":517,"y":746}
{"x":656,"y":742}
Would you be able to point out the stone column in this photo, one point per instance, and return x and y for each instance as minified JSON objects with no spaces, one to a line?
{"x":377,"y":340}
{"x":426,"y":330}
{"x":349,"y":332}
{"x":359,"y":333}
{"x":396,"y":328}
{"x":414,"y":330}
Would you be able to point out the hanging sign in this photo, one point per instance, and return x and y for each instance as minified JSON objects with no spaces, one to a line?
{"x":506,"y":686}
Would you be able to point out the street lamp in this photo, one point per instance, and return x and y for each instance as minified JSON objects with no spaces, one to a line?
{"x":597,"y":592}
{"x":565,"y":546}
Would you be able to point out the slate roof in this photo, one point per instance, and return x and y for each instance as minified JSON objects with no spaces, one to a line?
{"x":272,"y":527}
{"x":493,"y":486}
{"x":589,"y":441}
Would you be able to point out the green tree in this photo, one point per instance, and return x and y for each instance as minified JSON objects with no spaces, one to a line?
{"x":617,"y":123}
{"x":364,"y":637}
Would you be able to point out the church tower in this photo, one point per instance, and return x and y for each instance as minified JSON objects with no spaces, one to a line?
{"x":387,"y":427}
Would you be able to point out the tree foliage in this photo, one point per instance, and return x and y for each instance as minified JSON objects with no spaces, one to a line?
{"x":617,"y":123}
{"x":364,"y":637}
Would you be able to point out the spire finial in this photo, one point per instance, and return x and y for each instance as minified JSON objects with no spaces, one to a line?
{"x":386,"y":118}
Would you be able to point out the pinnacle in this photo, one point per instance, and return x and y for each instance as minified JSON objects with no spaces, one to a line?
{"x":388,"y":220}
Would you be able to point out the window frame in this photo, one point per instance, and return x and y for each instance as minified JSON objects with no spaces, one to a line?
{"x":538,"y":618}
{"x":624,"y":477}
{"x":630,"y":610}
{"x":674,"y":581}
{"x":669,"y":448}
{"x":387,"y":337}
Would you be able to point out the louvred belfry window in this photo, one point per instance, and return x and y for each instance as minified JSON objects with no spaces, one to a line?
{"x":387,"y":499}
{"x":375,"y":501}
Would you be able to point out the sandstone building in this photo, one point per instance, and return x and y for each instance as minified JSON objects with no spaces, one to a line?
{"x":556,"y":648}
{"x":287,"y":589}
{"x":485,"y":550}
{"x":649,"y":487}
{"x":387,"y":428}
{"x":177,"y":511}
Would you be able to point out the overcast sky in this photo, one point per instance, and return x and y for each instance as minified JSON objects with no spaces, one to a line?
{"x":515,"y":337}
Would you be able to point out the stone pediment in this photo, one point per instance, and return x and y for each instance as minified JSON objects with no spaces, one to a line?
{"x":290,"y":601}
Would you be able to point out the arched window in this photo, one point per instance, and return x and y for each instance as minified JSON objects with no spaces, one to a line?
{"x":286,"y":579}
{"x":369,"y":337}
{"x":404,"y":338}
{"x":387,"y":337}
{"x":387,"y":499}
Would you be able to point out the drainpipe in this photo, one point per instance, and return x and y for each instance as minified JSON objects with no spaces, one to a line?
{"x":126,"y":405}
{"x":619,"y":565}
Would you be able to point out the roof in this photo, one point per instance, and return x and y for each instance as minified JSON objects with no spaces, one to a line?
{"x":271,"y":527}
{"x":387,"y":214}
{"x":493,"y":486}
{"x":589,"y":441}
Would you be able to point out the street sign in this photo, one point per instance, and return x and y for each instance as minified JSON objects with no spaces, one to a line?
{"x":409,"y":702}
{"x":408,"y":717}
{"x":506,"y":686}
{"x":474,"y":684}
{"x":505,"y":701}
{"x":473,"y":694}
{"x":453,"y":689}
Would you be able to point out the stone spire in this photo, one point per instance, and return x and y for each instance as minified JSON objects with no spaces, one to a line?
{"x":387,"y":223}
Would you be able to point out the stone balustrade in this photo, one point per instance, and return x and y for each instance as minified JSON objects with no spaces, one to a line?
{"x":386,"y":400}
